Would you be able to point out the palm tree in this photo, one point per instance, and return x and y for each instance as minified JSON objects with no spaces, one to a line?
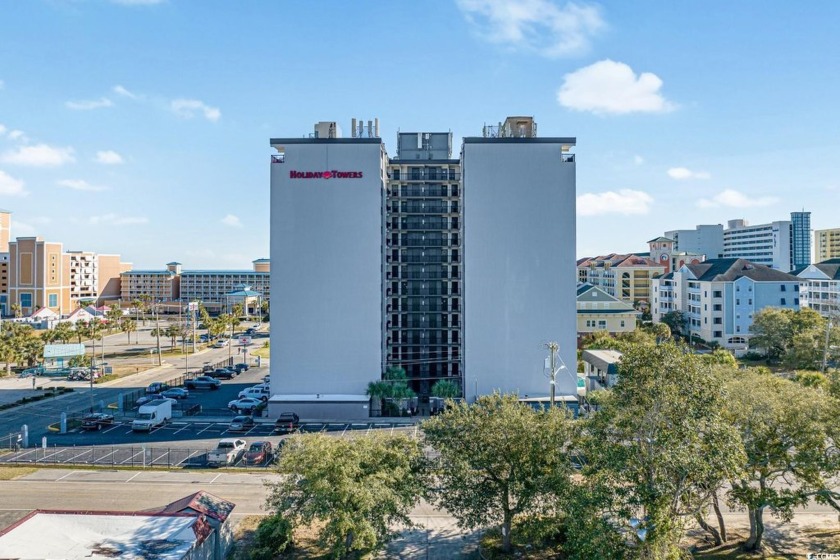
{"x":9,"y":350}
{"x":16,"y":310}
{"x":446,"y":389}
{"x":63,"y":332}
{"x":81,"y":330}
{"x":173,"y":331}
{"x":114,"y":314}
{"x":128,"y":326}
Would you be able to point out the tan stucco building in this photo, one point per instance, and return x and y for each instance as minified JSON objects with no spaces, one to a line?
{"x":599,"y":311}
{"x":39,"y":276}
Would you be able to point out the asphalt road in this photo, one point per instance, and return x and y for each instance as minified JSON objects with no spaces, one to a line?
{"x":132,"y":490}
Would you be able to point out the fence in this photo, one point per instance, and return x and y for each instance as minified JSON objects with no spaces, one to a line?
{"x":114,"y":456}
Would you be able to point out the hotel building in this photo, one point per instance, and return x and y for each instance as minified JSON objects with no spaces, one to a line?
{"x":827,"y":244}
{"x":450,"y":268}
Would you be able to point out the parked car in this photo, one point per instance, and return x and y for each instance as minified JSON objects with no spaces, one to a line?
{"x":246,"y":405}
{"x":204,"y":338}
{"x":266,"y":379}
{"x":241,"y":424}
{"x":251,"y":331}
{"x":175,"y":393}
{"x":156,"y":388}
{"x":203,"y":382}
{"x":239,"y":368}
{"x":287,"y":423}
{"x":222,"y":373}
{"x":255,"y":392}
{"x":259,"y":453}
{"x":221,"y":343}
{"x":96,"y":420}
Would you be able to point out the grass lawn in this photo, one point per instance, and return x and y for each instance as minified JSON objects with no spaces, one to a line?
{"x":264,"y":352}
{"x":11,"y":473}
{"x":306,"y":542}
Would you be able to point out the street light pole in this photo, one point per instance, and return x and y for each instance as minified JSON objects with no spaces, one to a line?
{"x":552,"y":348}
{"x":157,"y":332}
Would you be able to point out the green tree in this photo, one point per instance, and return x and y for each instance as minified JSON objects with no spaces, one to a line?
{"x":63,"y":332}
{"x":272,"y":537}
{"x":793,"y":336}
{"x":128,"y":326}
{"x":642,"y":446}
{"x":81,"y":330}
{"x":500,"y":459}
{"x":173,"y":331}
{"x":790,"y":434}
{"x":392,"y":389}
{"x":114,"y":316}
{"x":446,"y":389}
{"x":357,"y":488}
{"x":676,"y":321}
{"x":720,"y":357}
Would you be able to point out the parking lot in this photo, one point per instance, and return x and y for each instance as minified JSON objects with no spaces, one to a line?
{"x":178,"y":444}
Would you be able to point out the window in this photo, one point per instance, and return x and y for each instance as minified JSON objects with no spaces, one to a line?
{"x":622,"y":323}
{"x":718,"y":334}
{"x":737,"y":302}
{"x":26,"y":300}
{"x":717,"y":321}
{"x":53,"y":300}
{"x":717,"y":293}
{"x":784,"y":302}
{"x":750,"y":301}
{"x":795,"y":301}
{"x":784,"y":288}
{"x":602,"y":324}
{"x":717,"y":307}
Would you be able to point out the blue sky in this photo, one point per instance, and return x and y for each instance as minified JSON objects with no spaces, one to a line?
{"x":141,"y":127}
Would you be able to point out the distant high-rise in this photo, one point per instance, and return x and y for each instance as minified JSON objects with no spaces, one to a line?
{"x":827,"y":244}
{"x":800,"y":239}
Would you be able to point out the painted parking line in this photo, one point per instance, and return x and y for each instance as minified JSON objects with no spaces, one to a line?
{"x":114,"y":452}
{"x":186,"y":427}
{"x":45,"y":457}
{"x":85,"y":452}
{"x":205,"y":429}
{"x":112,"y":428}
{"x":135,"y":475}
{"x":190,"y":456}
{"x":215,"y":478}
{"x":65,"y":476}
{"x":161,"y":456}
{"x":131,"y":457}
{"x":20,"y":456}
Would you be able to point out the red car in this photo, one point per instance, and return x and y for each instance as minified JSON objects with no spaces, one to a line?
{"x":259,"y":453}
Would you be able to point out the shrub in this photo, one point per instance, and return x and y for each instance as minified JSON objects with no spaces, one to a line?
{"x":272,"y":537}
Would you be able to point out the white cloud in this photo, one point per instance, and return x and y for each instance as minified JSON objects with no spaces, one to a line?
{"x":119,"y":90}
{"x":112,"y":219}
{"x":10,"y":186}
{"x":89,"y":105}
{"x":2,"y":130}
{"x":231,"y":220}
{"x":17,"y":135}
{"x":23,"y":229}
{"x":682,"y":173}
{"x":541,"y":26}
{"x":734,"y":199}
{"x":625,"y":201}
{"x":186,"y":108}
{"x":39,"y":155}
{"x":80,"y":185}
{"x":609,"y":87}
{"x":638,"y":160}
{"x":108,"y":157}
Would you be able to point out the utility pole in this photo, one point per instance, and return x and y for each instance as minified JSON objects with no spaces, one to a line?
{"x":552,"y":355}
{"x":157,"y":332}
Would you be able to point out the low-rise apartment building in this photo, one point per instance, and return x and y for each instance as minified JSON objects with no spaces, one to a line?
{"x":599,"y":311}
{"x":820,"y":287}
{"x":210,"y":287}
{"x":719,"y":298}
{"x":627,"y":277}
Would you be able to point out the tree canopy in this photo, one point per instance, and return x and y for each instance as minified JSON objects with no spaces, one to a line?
{"x":357,"y":488}
{"x":499,"y":459}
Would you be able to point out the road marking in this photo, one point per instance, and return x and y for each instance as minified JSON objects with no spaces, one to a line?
{"x":214,"y":478}
{"x":133,"y":477}
{"x":65,"y":476}
{"x":205,"y":429}
{"x":186,"y":427}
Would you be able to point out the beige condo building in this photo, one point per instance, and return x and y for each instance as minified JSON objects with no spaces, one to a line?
{"x":39,"y":276}
{"x":827,"y":244}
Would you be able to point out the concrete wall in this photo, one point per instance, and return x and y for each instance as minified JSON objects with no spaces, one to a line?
{"x":326,"y":245}
{"x":519,"y":264}
{"x":321,"y":410}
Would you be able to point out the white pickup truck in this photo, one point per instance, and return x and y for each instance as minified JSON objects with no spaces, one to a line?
{"x":227,"y":452}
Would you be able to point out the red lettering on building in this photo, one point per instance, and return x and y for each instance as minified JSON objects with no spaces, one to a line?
{"x":332,"y":174}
